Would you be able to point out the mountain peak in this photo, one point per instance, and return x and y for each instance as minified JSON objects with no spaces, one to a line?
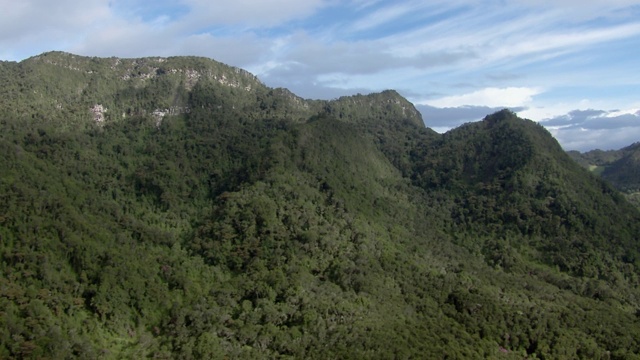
{"x":500,"y":116}
{"x":375,"y":107}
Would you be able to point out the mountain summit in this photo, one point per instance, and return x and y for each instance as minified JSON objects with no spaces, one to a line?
{"x":179,"y":208}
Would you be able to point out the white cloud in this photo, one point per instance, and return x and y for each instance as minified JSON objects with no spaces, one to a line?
{"x":541,"y":112}
{"x":604,"y":139}
{"x":126,"y":39}
{"x":489,"y":97}
{"x":580,"y":5}
{"x":382,"y":16}
{"x":561,"y":42}
{"x":253,"y":13}
{"x":29,"y":27}
{"x":225,"y":49}
{"x":29,"y":18}
{"x":595,"y":129}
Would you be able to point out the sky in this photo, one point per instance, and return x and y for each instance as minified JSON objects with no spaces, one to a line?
{"x":572,"y":65}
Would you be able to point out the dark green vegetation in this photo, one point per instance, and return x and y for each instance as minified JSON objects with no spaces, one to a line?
{"x":246,"y":222}
{"x":620,"y":167}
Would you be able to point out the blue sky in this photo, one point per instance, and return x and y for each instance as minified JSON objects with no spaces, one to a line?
{"x":571,"y":65}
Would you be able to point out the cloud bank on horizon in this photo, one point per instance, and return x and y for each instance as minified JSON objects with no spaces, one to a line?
{"x":571,"y":65}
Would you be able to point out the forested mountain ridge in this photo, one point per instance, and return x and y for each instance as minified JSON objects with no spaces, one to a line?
{"x":620,"y":167}
{"x":62,"y":84}
{"x":246,"y":222}
{"x":509,"y":175}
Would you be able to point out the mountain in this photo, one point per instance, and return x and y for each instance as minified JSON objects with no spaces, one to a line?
{"x":179,"y":208}
{"x":620,"y":167}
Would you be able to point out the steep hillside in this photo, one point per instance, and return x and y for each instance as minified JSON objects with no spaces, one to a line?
{"x":177,"y":208}
{"x":509,"y":177}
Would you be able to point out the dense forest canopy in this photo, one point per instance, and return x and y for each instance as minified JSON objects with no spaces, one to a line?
{"x":178,"y":208}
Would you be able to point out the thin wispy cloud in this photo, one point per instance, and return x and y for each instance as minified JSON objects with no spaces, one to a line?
{"x":455,"y":58}
{"x":248,"y":13}
{"x":491,"y":97}
{"x":381,"y":17}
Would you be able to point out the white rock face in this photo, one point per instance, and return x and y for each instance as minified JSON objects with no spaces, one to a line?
{"x":98,"y":113}
{"x":159,"y":114}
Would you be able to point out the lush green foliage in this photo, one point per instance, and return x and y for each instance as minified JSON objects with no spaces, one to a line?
{"x":249,"y":223}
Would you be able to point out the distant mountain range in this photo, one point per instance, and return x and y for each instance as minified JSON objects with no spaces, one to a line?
{"x":620,"y":167}
{"x":179,"y":208}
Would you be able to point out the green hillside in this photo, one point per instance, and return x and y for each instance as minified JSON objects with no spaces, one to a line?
{"x":178,"y":208}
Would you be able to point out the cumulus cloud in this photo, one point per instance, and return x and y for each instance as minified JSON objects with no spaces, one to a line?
{"x":585,"y":140}
{"x":574,"y":117}
{"x":595,"y":119}
{"x":595,"y":129}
